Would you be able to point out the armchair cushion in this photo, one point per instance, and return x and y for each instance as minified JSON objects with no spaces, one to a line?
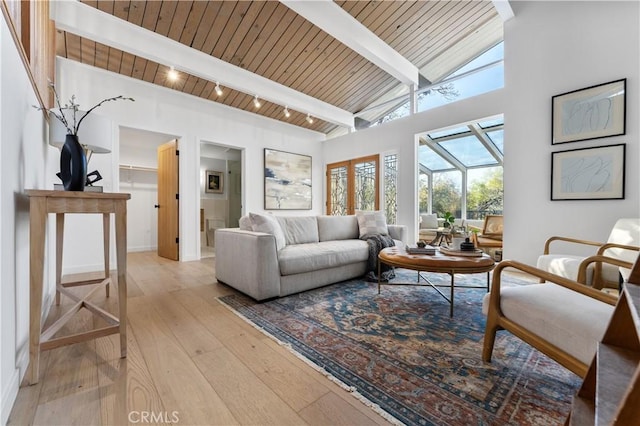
{"x":557,"y":313}
{"x":428,"y":221}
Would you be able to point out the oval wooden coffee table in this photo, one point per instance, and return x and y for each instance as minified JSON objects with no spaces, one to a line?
{"x":437,"y":263}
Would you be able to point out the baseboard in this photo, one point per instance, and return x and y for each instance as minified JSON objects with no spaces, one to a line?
{"x":141,"y":248}
{"x":9,"y":394}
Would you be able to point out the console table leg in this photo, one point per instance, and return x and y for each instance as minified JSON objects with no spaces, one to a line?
{"x":121,"y":255}
{"x":37,"y":223}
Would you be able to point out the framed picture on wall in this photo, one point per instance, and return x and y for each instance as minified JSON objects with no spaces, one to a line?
{"x":214,"y":182}
{"x":588,"y":174}
{"x":590,"y":113}
{"x":287,"y":180}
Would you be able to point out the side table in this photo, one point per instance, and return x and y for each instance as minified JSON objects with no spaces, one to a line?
{"x":42,"y":203}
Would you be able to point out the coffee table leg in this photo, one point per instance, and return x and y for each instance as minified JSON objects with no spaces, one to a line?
{"x":452,"y":287}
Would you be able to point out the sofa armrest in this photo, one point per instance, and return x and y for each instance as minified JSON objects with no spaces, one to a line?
{"x":398,"y":232}
{"x":248,"y":261}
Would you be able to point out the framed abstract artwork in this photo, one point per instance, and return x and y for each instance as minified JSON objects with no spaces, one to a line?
{"x":588,"y":174}
{"x":287,"y":180}
{"x":590,"y":113}
{"x":214,"y":182}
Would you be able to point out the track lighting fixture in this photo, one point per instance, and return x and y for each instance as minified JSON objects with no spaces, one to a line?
{"x":309,"y":119}
{"x":218,"y":89}
{"x":256,"y":102}
{"x":172,"y":74}
{"x":286,"y":112}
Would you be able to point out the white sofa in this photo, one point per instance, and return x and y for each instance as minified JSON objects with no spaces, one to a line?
{"x":304,"y":253}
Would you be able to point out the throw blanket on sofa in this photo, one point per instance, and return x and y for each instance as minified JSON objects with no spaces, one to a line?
{"x":376,"y":243}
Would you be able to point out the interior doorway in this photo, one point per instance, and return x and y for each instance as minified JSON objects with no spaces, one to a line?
{"x":138,"y":176}
{"x":220,"y":193}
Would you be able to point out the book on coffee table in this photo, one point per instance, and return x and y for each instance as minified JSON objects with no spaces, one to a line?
{"x":414,"y":249}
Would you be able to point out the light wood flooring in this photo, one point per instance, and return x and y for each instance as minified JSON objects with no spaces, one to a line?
{"x":190,"y":361}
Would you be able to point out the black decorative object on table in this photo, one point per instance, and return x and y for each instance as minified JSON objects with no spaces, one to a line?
{"x":467,"y":245}
{"x":73,"y":165}
{"x":75,"y":154}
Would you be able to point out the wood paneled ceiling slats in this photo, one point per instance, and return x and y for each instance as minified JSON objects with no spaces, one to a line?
{"x":225,"y":25}
{"x":179,"y":20}
{"x":444,"y":25}
{"x":434,"y":21}
{"x":192,"y":23}
{"x":88,"y":51}
{"x":127,"y":64}
{"x":167,"y":12}
{"x":136,"y":10}
{"x":256,"y":34}
{"x":269,"y":39}
{"x":139,"y":64}
{"x":121,"y":9}
{"x":246,"y":31}
{"x":206,"y":24}
{"x":151,"y":13}
{"x":73,"y":47}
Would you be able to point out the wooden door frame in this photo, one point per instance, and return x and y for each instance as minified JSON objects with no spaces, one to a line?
{"x":351,"y":176}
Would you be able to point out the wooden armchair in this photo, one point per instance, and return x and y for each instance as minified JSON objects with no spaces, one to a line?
{"x":490,"y":236}
{"x":562,"y":318}
{"x":623,"y":244}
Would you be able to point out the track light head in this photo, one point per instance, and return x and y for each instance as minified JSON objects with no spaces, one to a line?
{"x":286,"y":112}
{"x":256,"y":102}
{"x":218,"y":89}
{"x":172,"y":74}
{"x":309,"y":119}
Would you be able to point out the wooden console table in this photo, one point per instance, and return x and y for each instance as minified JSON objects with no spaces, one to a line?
{"x":43,"y":202}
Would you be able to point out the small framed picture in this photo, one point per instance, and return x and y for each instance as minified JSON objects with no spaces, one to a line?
{"x":590,"y":113}
{"x":214,"y":182}
{"x":588,"y":174}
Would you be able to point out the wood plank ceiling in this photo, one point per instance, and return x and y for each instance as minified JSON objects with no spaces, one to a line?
{"x":269,"y":39}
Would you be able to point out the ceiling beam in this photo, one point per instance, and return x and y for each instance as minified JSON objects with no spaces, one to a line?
{"x":335,"y":21}
{"x":504,"y":9}
{"x":104,"y":28}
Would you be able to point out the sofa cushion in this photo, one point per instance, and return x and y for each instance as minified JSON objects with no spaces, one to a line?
{"x":299,"y":229}
{"x":372,"y":223}
{"x":245,"y":224}
{"x":428,"y":221}
{"x":300,"y":258}
{"x":269,"y":224}
{"x":567,"y":319}
{"x":337,"y":228}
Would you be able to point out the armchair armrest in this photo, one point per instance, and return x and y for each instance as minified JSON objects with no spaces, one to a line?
{"x":547,"y":243}
{"x":599,"y":260}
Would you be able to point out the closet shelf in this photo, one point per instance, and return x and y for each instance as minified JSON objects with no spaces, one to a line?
{"x":140,"y":168}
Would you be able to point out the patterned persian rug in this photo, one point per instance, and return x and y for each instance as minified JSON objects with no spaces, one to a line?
{"x":402,"y":353}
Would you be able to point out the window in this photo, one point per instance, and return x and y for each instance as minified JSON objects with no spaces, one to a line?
{"x":391,"y":187}
{"x":353,"y":185}
{"x":463,"y":163}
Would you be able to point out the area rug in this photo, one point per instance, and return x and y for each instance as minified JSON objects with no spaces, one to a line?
{"x":401,"y":352}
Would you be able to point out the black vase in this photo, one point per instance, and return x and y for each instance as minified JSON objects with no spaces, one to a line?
{"x":73,"y":164}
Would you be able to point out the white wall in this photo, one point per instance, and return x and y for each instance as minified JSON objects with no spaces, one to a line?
{"x":193,"y":120}
{"x":553,"y":48}
{"x":550,"y":48}
{"x":25,"y":159}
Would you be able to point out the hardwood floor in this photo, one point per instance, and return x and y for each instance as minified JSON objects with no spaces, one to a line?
{"x":190,"y":361}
